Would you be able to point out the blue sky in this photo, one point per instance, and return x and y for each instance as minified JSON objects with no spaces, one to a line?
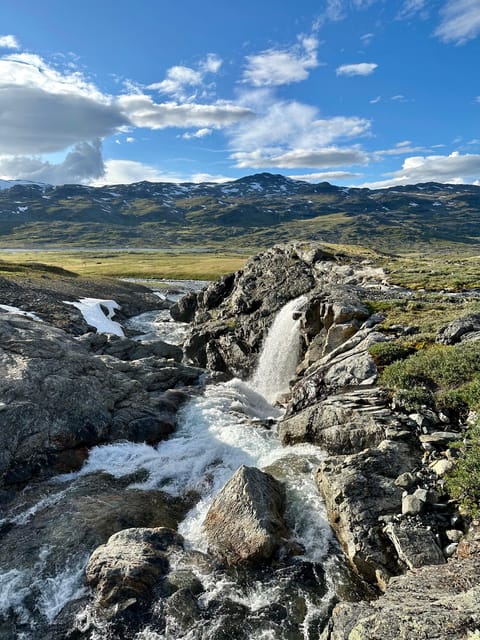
{"x":356,"y":92}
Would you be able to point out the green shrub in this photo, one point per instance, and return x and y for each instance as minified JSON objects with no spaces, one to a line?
{"x":450,"y":373}
{"x":384,"y":353}
{"x":463,"y":482}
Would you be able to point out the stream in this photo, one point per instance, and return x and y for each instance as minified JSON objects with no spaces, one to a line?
{"x":228,"y":425}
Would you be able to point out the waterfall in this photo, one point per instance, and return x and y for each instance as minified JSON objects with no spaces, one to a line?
{"x":279,"y":356}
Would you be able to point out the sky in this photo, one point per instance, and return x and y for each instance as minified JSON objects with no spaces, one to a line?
{"x":354,"y":92}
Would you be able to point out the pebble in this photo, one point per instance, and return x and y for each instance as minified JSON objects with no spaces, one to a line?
{"x":450,"y":549}
{"x":454,"y":535}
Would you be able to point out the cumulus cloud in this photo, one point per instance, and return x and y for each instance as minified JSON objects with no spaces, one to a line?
{"x":128,"y":171}
{"x":81,"y":164}
{"x":275,"y":67}
{"x":9,"y":42}
{"x":460,"y":21}
{"x":454,"y":168}
{"x":44,"y":110}
{"x":326,"y":176}
{"x":180,"y":81}
{"x":360,"y":69}
{"x":142,"y":111}
{"x":299,"y":158}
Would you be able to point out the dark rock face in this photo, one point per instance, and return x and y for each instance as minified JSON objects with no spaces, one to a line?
{"x":233,"y":314}
{"x":123,"y":571}
{"x":57,"y":399}
{"x":245,"y":521}
{"x":126,"y":349}
{"x":435,"y":602}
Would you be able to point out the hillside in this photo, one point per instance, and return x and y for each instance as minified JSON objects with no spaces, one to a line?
{"x":257,"y":210}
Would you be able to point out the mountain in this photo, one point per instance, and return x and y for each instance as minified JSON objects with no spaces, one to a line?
{"x":253,"y":211}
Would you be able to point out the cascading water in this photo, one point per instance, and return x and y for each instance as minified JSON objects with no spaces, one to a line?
{"x":217,"y":432}
{"x":279,"y":356}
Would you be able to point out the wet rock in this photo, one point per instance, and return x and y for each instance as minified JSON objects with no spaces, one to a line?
{"x":60,"y":399}
{"x":123,"y":571}
{"x":181,"y":612}
{"x":245,"y":521}
{"x":184,"y":309}
{"x":127,"y":349}
{"x":415,"y":545}
{"x":434,"y":602}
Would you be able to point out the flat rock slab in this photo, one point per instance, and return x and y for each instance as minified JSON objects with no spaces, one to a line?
{"x":434,"y":602}
{"x":245,"y":522}
{"x":415,"y":546}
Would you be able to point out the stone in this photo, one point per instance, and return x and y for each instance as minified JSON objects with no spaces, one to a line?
{"x":406,"y":480}
{"x":439,"y":438}
{"x":460,"y":329}
{"x":454,"y":535}
{"x":411,"y":505}
{"x":450,"y":549}
{"x":441,"y":467}
{"x":415,"y":545}
{"x":123,"y":571}
{"x":245,"y":521}
{"x":434,"y":602}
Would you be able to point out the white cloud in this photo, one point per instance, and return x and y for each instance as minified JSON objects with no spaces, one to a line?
{"x":9,"y":42}
{"x":142,"y":111}
{"x":454,"y":168}
{"x":375,"y":100}
{"x":208,"y":177}
{"x":300,"y":158}
{"x":367,"y":38}
{"x":128,"y":171}
{"x":81,"y":164}
{"x":180,"y":81}
{"x":294,"y":124}
{"x":275,"y":67}
{"x":360,"y":69}
{"x":326,"y":176}
{"x":460,"y":21}
{"x":201,"y":133}
{"x":410,"y":8}
{"x":129,"y":139}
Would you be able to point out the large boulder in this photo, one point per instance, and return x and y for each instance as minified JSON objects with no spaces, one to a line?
{"x":460,"y":330}
{"x":245,"y":521}
{"x":57,"y":399}
{"x":123,"y":572}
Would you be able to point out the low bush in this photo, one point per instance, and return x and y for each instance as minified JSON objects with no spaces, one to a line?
{"x":463,"y":482}
{"x":384,"y":353}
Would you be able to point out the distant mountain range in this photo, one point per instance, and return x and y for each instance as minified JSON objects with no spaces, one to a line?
{"x":254,"y":211}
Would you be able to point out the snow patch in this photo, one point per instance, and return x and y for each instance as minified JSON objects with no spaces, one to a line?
{"x":20,"y":312}
{"x":93,"y":311}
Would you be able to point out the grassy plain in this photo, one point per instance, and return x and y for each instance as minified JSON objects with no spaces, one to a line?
{"x":125,"y":264}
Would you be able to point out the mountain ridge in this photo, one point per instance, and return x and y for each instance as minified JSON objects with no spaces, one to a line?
{"x":254,"y":210}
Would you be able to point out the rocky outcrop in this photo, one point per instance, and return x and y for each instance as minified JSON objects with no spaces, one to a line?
{"x":434,"y":602}
{"x":45,"y":295}
{"x":57,"y":399}
{"x":245,"y":521}
{"x":123,"y":572}
{"x":233,"y":314}
{"x":460,"y":330}
{"x":126,"y":349}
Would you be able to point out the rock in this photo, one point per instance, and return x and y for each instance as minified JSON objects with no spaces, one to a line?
{"x":358,"y":489}
{"x":435,"y":602}
{"x":59,"y":399}
{"x":123,"y":571}
{"x":406,"y":480}
{"x":342,"y":423}
{"x":245,"y":521}
{"x":450,"y":549}
{"x":181,"y":612}
{"x":415,"y":545}
{"x":184,"y":309}
{"x":439,"y":438}
{"x":454,"y":535}
{"x":127,"y":349}
{"x":234,"y":314}
{"x":441,"y":467}
{"x":460,"y":330}
{"x":411,"y":505}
